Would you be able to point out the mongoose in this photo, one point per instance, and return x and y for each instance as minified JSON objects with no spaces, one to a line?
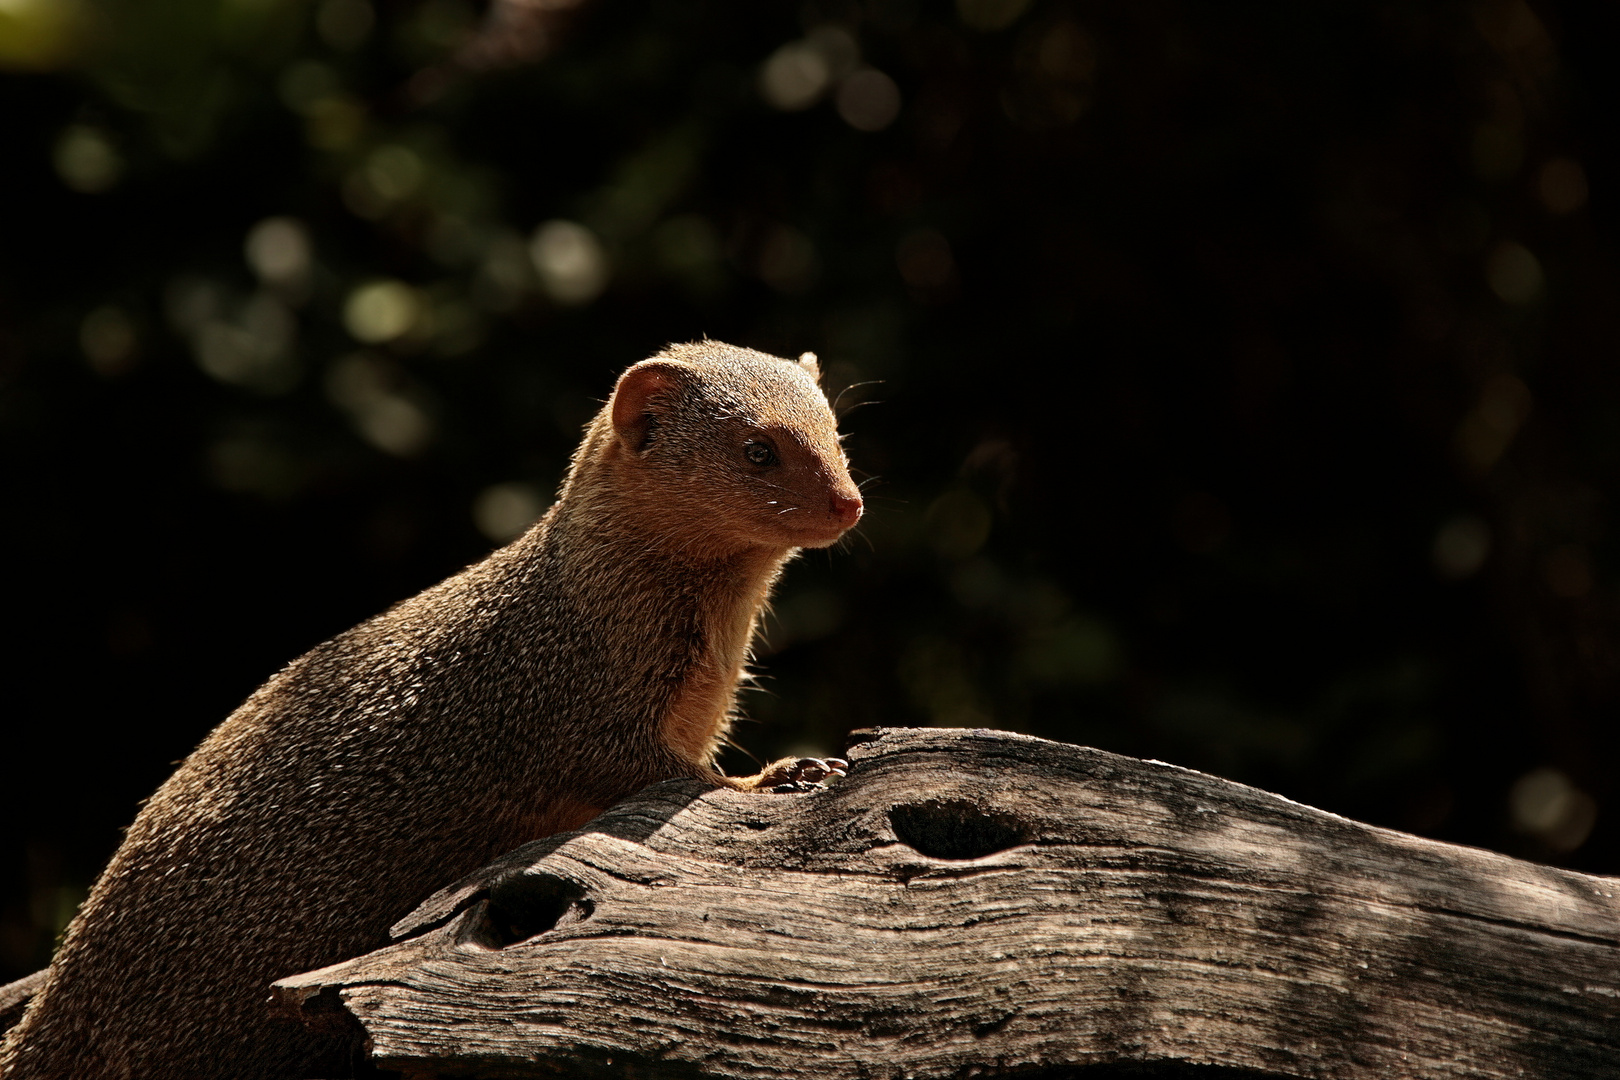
{"x":598,"y":653}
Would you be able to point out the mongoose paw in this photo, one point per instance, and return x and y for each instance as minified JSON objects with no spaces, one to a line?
{"x":798,"y":774}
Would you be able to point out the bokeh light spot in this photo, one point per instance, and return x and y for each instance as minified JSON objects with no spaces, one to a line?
{"x":453,"y":241}
{"x":278,"y":250}
{"x":252,"y":350}
{"x":386,"y":412}
{"x":1546,"y":804}
{"x":397,"y":425}
{"x":837,"y":47}
{"x":1067,"y":53}
{"x":305,"y":84}
{"x":1461,"y":547}
{"x":335,"y":122}
{"x":868,"y":100}
{"x":1488,"y":430}
{"x":381,"y":311}
{"x":191,"y":301}
{"x":361,"y":198}
{"x":344,"y":24}
{"x":1561,"y":183}
{"x":86,"y":160}
{"x":573,"y":267}
{"x":794,"y":77}
{"x":503,"y":512}
{"x":250,"y":463}
{"x":458,"y":327}
{"x":990,"y":14}
{"x":506,"y":273}
{"x":394,"y":172}
{"x":40,"y":35}
{"x":1513,"y":273}
{"x":443,"y":24}
{"x":107,"y":336}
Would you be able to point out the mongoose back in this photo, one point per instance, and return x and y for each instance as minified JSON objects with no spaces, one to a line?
{"x":598,"y":653}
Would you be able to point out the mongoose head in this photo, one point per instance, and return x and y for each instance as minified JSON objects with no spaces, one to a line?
{"x":722,"y":449}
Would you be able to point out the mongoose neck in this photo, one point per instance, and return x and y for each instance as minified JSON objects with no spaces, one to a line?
{"x":627,"y":559}
{"x":706,"y":602}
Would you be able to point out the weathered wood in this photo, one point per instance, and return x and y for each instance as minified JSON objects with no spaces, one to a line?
{"x":977,"y":903}
{"x":14,"y":998}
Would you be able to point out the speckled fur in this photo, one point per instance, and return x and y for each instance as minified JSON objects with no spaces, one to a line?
{"x":598,"y":653}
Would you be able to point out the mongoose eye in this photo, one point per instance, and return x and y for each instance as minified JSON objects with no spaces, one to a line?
{"x":758,"y":453}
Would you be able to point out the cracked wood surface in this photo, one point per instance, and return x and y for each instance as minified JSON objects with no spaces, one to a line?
{"x":973,"y":903}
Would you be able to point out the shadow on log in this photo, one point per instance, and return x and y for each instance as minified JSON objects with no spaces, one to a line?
{"x":972,"y":903}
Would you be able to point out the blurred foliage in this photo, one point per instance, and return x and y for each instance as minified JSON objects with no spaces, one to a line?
{"x":1235,"y":383}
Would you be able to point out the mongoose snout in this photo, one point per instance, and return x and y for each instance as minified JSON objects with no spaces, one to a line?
{"x":810,"y":490}
{"x":846,"y":509}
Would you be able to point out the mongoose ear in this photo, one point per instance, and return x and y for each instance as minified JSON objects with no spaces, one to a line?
{"x":633,"y":399}
{"x":808,"y":362}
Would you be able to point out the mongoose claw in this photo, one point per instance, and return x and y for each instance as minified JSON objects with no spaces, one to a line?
{"x":812,"y":770}
{"x":801,"y":774}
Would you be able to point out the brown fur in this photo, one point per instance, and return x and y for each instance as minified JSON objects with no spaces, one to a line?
{"x":596,"y":654}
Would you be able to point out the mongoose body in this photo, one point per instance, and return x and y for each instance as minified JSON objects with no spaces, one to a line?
{"x":598,"y":653}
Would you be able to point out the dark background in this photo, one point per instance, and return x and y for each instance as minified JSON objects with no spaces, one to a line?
{"x":1234,"y":383}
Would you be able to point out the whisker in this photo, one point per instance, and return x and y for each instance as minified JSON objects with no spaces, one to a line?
{"x":727,"y":740}
{"x":847,"y":389}
{"x":858,"y":405}
{"x":847,"y":541}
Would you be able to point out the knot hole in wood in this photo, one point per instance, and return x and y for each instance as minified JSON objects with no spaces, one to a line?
{"x":957,"y":829}
{"x":529,"y":903}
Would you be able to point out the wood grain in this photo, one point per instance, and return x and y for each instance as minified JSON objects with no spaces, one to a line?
{"x":979,"y":903}
{"x":15,"y":996}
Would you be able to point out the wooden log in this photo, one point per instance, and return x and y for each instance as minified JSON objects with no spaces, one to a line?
{"x":15,"y":996}
{"x":973,"y":903}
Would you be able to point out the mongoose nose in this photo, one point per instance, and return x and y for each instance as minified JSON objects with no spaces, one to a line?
{"x":846,"y":509}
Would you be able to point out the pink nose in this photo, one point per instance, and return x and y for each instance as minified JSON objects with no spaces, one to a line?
{"x":846,"y":509}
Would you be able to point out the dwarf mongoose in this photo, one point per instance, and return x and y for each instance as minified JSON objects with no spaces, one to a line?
{"x":596,"y":654}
